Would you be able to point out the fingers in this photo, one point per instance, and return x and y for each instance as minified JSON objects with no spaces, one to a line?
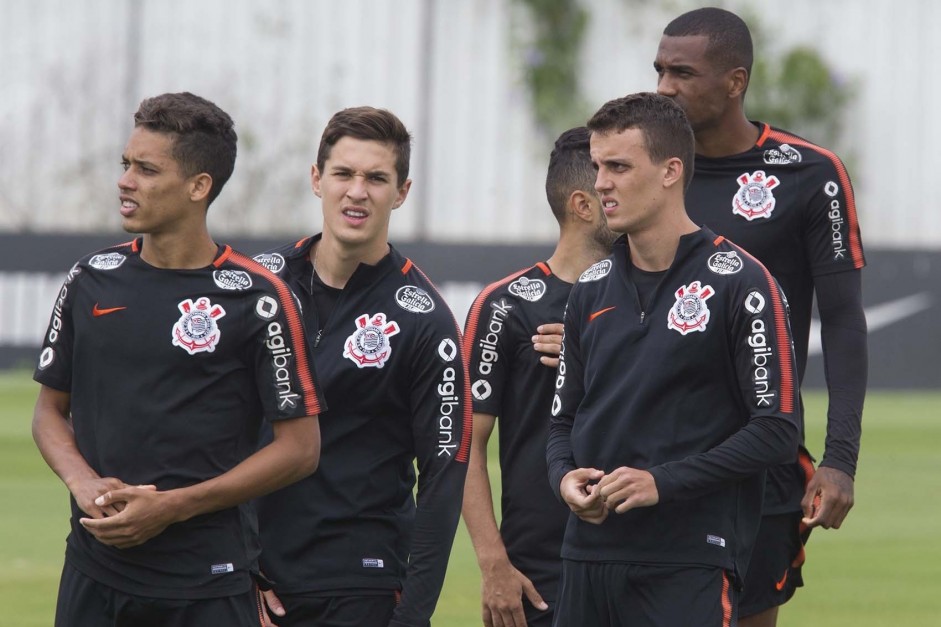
{"x":533,"y":595}
{"x":549,"y":361}
{"x":273,"y":602}
{"x":106,"y":533}
{"x":812,"y":507}
{"x":828,"y":511}
{"x":626,"y":488}
{"x":554,"y":329}
{"x":548,"y":341}
{"x":263,"y":609}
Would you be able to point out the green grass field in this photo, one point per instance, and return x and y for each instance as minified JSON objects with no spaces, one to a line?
{"x":881,"y":569}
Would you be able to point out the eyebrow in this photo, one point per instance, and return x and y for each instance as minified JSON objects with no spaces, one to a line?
{"x":374,"y":172}
{"x":126,"y":159}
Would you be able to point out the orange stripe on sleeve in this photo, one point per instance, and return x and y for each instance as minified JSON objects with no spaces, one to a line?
{"x":463,"y":450}
{"x":788,"y":385}
{"x":408,"y":266}
{"x":295,"y":328}
{"x":473,"y":318}
{"x":855,"y":245}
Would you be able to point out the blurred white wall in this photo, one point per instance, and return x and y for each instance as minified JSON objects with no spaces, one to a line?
{"x":72,"y":73}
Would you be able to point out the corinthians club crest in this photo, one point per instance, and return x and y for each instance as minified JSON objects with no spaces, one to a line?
{"x":197,"y":330}
{"x":690,"y":312}
{"x":754,"y":198}
{"x":369,"y":345}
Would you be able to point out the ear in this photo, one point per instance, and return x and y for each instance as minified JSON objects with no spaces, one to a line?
{"x":738,"y":82}
{"x":579,"y":203}
{"x":673,"y":172}
{"x":403,"y":194}
{"x":315,"y":180}
{"x":200,"y":186}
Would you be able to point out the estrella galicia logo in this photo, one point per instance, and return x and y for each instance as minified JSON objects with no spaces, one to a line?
{"x":273,"y":261}
{"x":596,"y":272}
{"x":528,"y":289}
{"x":232,"y":279}
{"x":107,"y":261}
{"x":784,"y":154}
{"x":725,"y":263}
{"x":414,"y":299}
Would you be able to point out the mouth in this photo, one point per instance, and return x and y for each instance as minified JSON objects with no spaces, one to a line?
{"x":609,"y":206}
{"x":128,"y":206}
{"x":355,"y":215}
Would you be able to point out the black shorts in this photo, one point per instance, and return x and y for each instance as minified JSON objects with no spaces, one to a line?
{"x":605,"y":594}
{"x":83,"y":602}
{"x":774,"y":572}
{"x":353,"y":610}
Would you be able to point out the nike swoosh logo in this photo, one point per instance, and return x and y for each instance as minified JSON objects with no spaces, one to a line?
{"x":779,"y":585}
{"x":95,"y":311}
{"x":879,"y":316}
{"x":599,"y":312}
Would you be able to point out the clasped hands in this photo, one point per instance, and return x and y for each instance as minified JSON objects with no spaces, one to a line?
{"x":592,"y":494}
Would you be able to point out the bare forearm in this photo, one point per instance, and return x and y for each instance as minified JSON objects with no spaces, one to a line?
{"x":479,"y":514}
{"x":55,"y":438}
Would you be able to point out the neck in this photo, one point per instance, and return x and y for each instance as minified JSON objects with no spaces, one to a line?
{"x":335,"y":262}
{"x":653,"y":249}
{"x":574,"y":253}
{"x":731,"y":137}
{"x":172,"y":251}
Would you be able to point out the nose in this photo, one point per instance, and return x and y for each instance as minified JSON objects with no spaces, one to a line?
{"x":126,"y":181}
{"x":665,"y":85}
{"x":602,"y":183}
{"x":357,"y":188}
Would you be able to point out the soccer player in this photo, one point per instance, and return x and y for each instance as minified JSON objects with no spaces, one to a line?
{"x":349,"y":545}
{"x":790,"y":203}
{"x":519,"y":563}
{"x":675,"y":390}
{"x":162,"y":357}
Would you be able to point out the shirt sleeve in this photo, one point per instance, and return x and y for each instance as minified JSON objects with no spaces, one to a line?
{"x":284,"y":371}
{"x":441,"y":432}
{"x":569,"y":391}
{"x":766,"y":372}
{"x":846,"y":364}
{"x":487,"y":344}
{"x":831,"y":227}
{"x":55,"y":358}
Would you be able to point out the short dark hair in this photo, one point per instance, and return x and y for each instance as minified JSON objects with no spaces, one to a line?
{"x":570,"y":169}
{"x":204,"y":138}
{"x":730,"y":43}
{"x":661,"y":121}
{"x":368,"y":123}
